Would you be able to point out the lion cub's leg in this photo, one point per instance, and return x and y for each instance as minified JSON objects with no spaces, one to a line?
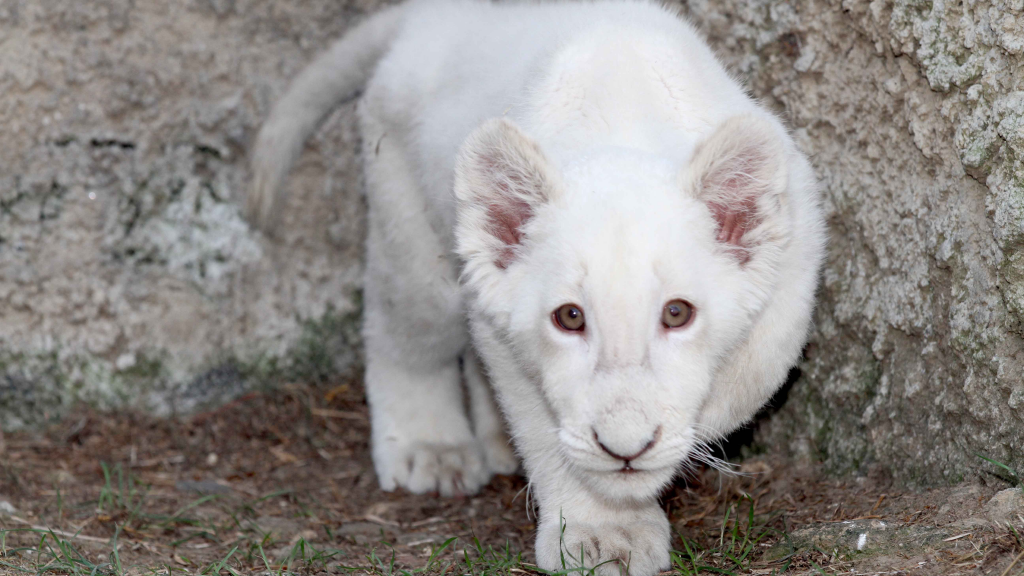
{"x":487,"y":423}
{"x":414,"y":332}
{"x":577,"y":530}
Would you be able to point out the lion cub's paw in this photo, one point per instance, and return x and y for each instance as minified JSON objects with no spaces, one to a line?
{"x":637,"y":548}
{"x":448,"y":469}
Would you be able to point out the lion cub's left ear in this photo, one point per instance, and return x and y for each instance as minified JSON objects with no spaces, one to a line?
{"x":501,"y":179}
{"x":740,"y":173}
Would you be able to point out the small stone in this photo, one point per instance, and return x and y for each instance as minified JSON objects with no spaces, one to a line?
{"x":125,"y":361}
{"x":1006,"y":506}
{"x":806,"y":60}
{"x":7,"y":509}
{"x":307,"y":535}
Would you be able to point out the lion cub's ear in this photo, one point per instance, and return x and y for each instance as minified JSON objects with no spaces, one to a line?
{"x":501,"y":178}
{"x":739,"y":172}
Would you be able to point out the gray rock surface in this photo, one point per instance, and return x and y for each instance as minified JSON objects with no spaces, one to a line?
{"x":913,"y":114}
{"x":128,"y":276}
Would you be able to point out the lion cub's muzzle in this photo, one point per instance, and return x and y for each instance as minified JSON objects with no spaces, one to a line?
{"x":628,"y":456}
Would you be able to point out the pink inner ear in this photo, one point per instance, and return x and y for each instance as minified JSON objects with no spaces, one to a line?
{"x":735,"y":210}
{"x":733,"y":221}
{"x":507,"y":212}
{"x":740,"y":169}
{"x":506,"y":220}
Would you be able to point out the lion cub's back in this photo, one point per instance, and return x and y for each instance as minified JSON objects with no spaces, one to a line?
{"x":457,"y":63}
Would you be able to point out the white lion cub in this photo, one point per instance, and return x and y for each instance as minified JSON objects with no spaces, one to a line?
{"x":576,"y":204}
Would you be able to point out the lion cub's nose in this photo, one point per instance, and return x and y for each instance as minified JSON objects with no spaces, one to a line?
{"x":628,"y":457}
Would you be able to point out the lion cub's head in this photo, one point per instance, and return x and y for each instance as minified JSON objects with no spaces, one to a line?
{"x":609,"y":290}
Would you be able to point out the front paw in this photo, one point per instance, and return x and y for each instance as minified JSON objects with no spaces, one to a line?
{"x":637,"y":546}
{"x":422,"y":467}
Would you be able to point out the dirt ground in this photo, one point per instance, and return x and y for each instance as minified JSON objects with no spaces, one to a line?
{"x":281,"y":481}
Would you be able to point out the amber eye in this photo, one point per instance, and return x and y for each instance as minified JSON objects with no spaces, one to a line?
{"x":677,"y":314}
{"x":569,"y":317}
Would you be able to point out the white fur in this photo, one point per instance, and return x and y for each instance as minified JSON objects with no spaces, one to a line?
{"x":597,"y":153}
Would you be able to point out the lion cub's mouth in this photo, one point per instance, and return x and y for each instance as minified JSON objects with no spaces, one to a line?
{"x":628,"y":469}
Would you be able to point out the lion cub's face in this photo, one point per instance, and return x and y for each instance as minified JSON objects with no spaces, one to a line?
{"x":618,"y":284}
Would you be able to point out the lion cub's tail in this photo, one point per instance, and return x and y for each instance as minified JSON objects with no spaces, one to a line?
{"x":334,"y":76}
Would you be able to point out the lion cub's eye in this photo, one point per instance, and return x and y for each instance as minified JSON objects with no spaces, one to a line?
{"x":569,"y":317}
{"x":677,"y":314}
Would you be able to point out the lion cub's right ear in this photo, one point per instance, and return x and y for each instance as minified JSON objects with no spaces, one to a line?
{"x":501,"y":179}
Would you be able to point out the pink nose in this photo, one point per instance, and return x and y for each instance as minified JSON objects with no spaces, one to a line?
{"x":636,"y":454}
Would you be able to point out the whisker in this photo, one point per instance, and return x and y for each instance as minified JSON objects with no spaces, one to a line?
{"x":529,"y":500}
{"x":521,"y":490}
{"x":703,"y":450}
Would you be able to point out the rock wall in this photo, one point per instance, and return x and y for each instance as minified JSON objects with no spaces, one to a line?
{"x":128,"y":276}
{"x":913,"y":113}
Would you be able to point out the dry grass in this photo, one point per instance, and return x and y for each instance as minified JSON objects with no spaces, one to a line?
{"x":282,"y":482}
